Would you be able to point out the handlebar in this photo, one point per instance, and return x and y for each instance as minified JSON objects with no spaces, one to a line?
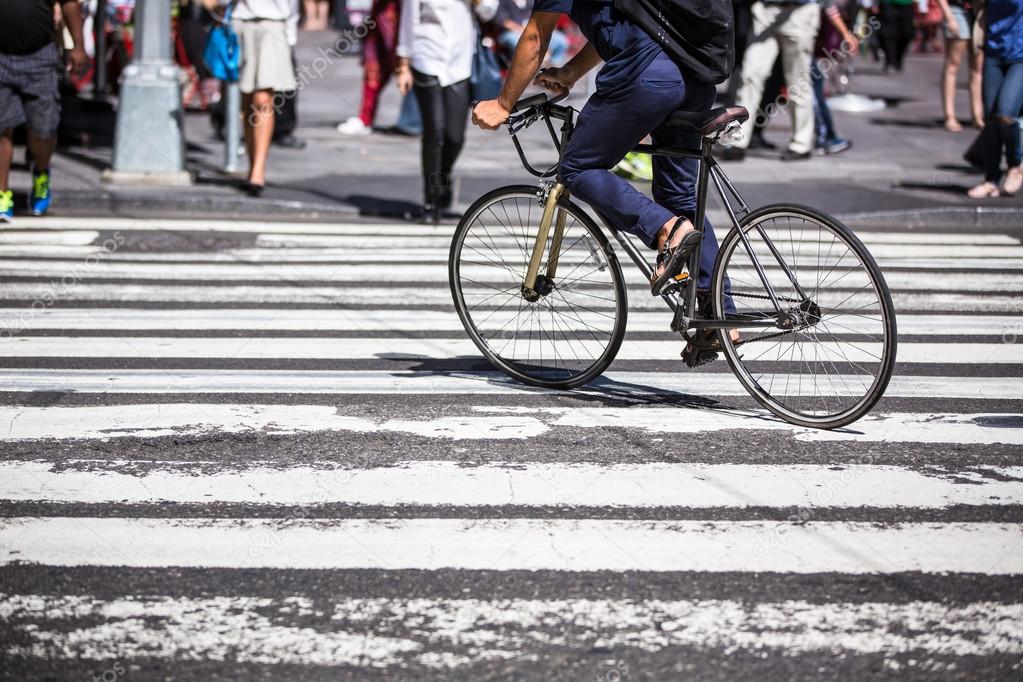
{"x":531,"y":109}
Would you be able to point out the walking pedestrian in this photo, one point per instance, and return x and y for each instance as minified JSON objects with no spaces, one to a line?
{"x":897,"y":31}
{"x":1003,"y":98}
{"x":29,"y":73}
{"x":378,"y":63}
{"x":789,"y":27}
{"x":835,"y":42}
{"x":263,"y":28}
{"x":958,"y":45}
{"x":436,"y":43}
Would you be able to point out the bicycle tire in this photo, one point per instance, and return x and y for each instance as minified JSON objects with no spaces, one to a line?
{"x":886,"y":323}
{"x":542,"y":372}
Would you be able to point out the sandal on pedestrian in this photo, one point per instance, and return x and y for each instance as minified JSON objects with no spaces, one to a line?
{"x":953,"y":125}
{"x":1013,"y":181}
{"x":671,"y":258}
{"x":985,"y":190}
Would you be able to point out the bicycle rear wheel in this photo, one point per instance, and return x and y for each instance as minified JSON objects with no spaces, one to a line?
{"x":830,"y":354}
{"x":572,"y":331}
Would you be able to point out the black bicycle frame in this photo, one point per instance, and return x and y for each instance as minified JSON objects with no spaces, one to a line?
{"x":708,"y":170}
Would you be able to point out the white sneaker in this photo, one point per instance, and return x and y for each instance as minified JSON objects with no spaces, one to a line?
{"x":354,"y":126}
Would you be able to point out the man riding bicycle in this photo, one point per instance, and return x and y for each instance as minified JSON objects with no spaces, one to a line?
{"x":638,"y":87}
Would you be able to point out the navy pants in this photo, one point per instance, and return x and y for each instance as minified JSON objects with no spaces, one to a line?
{"x":610,"y":126}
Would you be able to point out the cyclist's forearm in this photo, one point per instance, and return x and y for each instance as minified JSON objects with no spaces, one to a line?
{"x":528,"y":57}
{"x":581,"y":64}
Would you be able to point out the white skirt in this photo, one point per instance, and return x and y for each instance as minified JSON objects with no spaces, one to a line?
{"x":265,"y":56}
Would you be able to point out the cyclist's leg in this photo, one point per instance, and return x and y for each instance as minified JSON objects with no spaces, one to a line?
{"x":674,"y":184}
{"x":607,"y":129}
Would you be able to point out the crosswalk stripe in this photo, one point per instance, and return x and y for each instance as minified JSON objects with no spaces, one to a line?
{"x":64,"y":240}
{"x":43,"y":294}
{"x":481,"y":422}
{"x":407,"y":319}
{"x":339,"y":348}
{"x":429,"y":273}
{"x":402,"y":228}
{"x":372,"y":382}
{"x":436,"y":250}
{"x":515,"y":544}
{"x":153,"y":224}
{"x":433,"y":483}
{"x":164,"y":628}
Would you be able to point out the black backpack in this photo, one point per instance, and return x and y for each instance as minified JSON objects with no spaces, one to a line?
{"x":698,"y":34}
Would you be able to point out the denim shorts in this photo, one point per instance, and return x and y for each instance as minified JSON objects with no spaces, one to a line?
{"x":963,"y":30}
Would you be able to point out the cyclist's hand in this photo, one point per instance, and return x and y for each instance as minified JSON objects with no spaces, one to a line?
{"x":556,"y":79}
{"x":489,"y":114}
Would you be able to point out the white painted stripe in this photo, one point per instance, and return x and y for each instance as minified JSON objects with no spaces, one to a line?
{"x":298,"y":348}
{"x":434,"y":483}
{"x":518,"y":544}
{"x":438,"y":294}
{"x":14,"y":240}
{"x":239,"y":225}
{"x":407,"y":319}
{"x":436,"y":253}
{"x":172,"y":419}
{"x":427,"y":247}
{"x":428,"y":273}
{"x":493,"y":629}
{"x":63,"y":223}
{"x":360,"y":382}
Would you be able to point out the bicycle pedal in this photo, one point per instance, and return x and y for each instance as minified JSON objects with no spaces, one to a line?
{"x":698,"y":358}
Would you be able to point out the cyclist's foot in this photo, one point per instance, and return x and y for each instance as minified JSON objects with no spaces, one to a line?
{"x":6,"y":206}
{"x":704,"y":347}
{"x":39,"y":201}
{"x":674,"y":244}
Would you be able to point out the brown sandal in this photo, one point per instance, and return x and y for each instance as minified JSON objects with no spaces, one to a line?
{"x":673,"y":257}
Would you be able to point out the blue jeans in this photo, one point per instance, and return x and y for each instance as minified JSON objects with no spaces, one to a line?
{"x":1003,"y":99}
{"x":825,"y":124}
{"x":609,"y":127}
{"x":556,"y":50}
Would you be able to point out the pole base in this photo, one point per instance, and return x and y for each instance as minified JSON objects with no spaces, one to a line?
{"x":149,"y":139}
{"x":147,"y":178}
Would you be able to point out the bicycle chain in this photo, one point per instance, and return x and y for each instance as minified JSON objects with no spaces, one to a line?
{"x":766,"y":298}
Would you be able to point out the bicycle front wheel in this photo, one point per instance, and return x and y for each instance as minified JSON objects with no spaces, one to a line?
{"x":572,"y":330}
{"x":824,"y":359}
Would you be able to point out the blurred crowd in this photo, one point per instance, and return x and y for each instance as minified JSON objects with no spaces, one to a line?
{"x":792,"y":55}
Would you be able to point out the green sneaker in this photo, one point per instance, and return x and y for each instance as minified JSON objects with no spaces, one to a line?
{"x":6,"y":206}
{"x":635,"y":166}
{"x":39,"y":202}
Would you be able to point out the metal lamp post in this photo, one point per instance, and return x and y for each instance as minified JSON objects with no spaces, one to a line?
{"x":149,"y":142}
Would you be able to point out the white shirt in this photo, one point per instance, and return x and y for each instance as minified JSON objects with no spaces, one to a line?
{"x":439,"y":36}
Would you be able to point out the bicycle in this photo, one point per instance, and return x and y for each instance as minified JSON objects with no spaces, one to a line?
{"x":816,"y":340}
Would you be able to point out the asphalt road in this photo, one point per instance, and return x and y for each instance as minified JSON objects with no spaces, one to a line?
{"x":244,"y":450}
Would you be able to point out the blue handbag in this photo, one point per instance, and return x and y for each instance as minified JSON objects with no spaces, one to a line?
{"x":221,"y":53}
{"x":485,"y":82}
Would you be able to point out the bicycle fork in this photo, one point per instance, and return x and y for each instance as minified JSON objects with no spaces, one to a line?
{"x":531,"y":287}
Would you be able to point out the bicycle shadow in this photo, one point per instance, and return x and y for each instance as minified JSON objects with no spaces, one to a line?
{"x":602,"y":391}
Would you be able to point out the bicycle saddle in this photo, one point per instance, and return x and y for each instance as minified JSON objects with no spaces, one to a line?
{"x":710,"y":122}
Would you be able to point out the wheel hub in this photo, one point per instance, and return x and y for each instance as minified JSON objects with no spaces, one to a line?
{"x":544,"y":286}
